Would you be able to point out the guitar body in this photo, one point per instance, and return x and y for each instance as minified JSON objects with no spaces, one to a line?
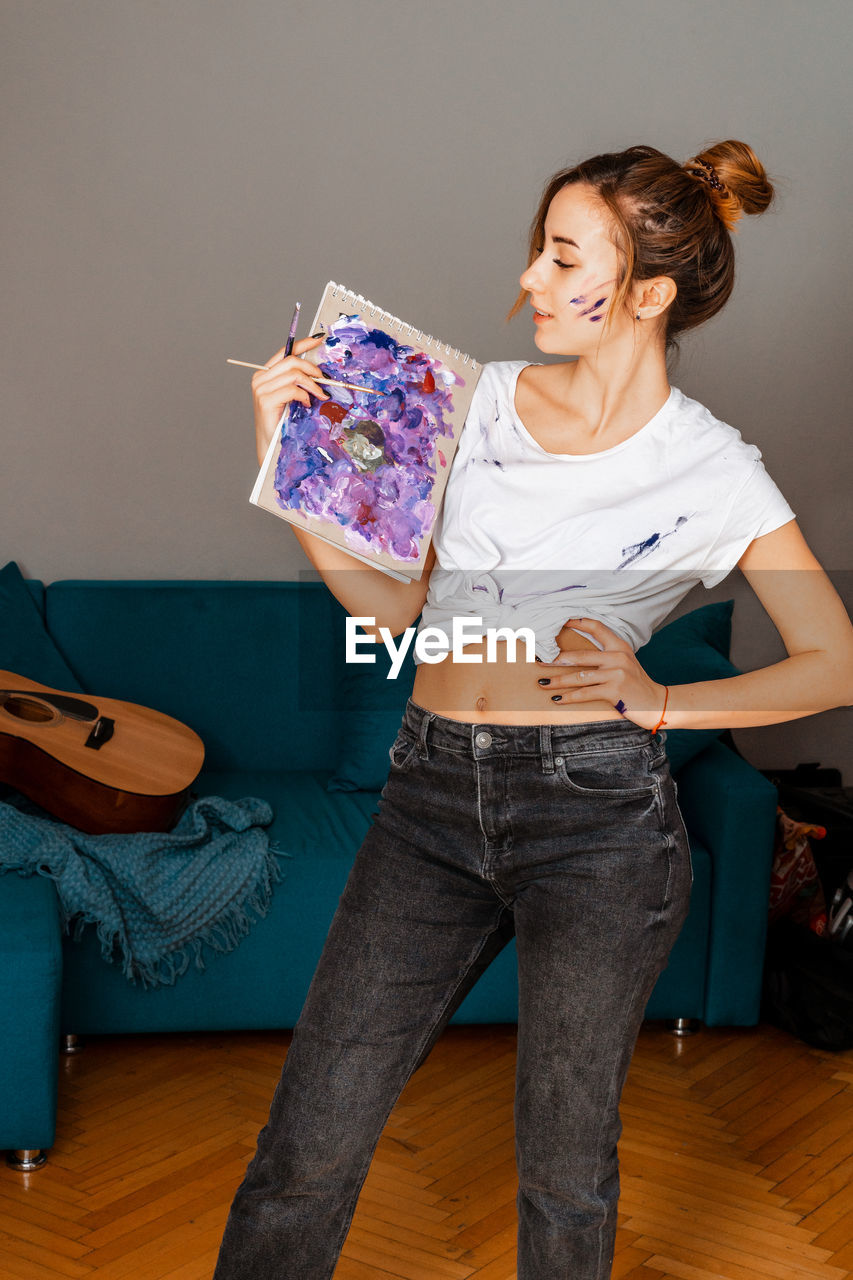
{"x":96,"y":763}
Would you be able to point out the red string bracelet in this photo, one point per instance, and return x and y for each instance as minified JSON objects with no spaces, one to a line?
{"x":663,"y":713}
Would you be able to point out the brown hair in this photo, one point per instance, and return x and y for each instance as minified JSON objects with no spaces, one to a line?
{"x":667,"y":219}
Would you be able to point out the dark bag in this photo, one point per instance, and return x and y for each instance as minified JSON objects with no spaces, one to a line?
{"x":808,"y":986}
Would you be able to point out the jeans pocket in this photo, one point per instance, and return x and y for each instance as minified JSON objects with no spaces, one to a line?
{"x":607,"y":774}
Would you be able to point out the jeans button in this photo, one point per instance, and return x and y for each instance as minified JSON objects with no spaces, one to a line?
{"x":483,"y":739}
{"x":558,"y":760}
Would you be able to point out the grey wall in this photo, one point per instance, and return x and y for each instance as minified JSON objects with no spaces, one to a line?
{"x":177,"y":174}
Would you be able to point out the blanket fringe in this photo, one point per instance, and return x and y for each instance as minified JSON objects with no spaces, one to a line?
{"x":221,"y":936}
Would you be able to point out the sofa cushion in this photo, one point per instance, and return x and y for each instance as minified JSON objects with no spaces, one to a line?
{"x":307,"y":821}
{"x":262,"y":983}
{"x":26,"y":647}
{"x":693,"y":647}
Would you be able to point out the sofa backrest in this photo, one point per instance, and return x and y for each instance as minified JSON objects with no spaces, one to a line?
{"x":253,"y":667}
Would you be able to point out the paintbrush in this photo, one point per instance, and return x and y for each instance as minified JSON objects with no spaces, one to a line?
{"x":288,"y":348}
{"x":330,"y":382}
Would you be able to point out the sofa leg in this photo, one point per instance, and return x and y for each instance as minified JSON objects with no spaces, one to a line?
{"x":25,"y":1161}
{"x":72,"y":1044}
{"x":683,"y":1026}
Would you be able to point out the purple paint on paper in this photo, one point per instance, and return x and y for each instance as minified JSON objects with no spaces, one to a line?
{"x":636,"y":551}
{"x":366,"y":459}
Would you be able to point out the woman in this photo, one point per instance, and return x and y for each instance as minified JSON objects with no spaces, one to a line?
{"x":537,"y":799}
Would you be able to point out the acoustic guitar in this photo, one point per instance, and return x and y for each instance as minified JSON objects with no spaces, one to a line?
{"x":96,"y":763}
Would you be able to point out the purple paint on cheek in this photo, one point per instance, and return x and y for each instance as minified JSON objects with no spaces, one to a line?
{"x":578,"y":302}
{"x":592,"y":319}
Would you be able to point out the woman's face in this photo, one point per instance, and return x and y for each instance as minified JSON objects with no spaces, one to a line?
{"x":573,"y":277}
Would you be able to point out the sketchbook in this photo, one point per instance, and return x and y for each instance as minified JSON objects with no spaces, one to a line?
{"x":366,"y":469}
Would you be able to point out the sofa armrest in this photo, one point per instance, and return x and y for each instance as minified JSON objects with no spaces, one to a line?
{"x":30,"y":990}
{"x":731,"y":808}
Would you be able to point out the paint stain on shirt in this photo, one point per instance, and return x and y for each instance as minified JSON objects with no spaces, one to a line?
{"x":637,"y":550}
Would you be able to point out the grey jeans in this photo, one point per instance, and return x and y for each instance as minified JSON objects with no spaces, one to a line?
{"x":568,"y":837}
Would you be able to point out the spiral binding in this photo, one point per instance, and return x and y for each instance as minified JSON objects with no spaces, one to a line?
{"x":388,"y":321}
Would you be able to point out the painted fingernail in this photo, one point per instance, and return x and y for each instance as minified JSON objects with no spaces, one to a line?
{"x":544,"y":680}
{"x":556,"y":697}
{"x":321,"y":333}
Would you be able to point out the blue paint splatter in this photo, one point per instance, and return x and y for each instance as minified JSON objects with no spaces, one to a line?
{"x":637,"y":550}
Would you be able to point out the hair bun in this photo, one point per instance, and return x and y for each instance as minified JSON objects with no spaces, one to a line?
{"x":735,"y":180}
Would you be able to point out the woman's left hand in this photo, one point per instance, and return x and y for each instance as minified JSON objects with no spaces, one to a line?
{"x":612,"y":673}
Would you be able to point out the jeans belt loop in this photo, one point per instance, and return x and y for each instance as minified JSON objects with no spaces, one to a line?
{"x":426,"y":721}
{"x":545,"y":748}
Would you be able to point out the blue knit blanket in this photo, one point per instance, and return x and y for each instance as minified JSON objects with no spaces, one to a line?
{"x":156,"y":898}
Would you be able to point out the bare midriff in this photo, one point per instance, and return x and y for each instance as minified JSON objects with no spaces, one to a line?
{"x":504,"y":692}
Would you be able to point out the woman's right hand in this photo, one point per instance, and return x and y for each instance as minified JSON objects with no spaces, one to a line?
{"x":284,"y":378}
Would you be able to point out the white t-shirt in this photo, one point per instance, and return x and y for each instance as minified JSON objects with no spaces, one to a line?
{"x":531,"y":538}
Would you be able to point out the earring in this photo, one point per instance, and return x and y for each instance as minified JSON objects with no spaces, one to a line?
{"x":638,"y":315}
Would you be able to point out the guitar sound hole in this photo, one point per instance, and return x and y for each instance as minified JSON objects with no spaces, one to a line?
{"x":29,"y":709}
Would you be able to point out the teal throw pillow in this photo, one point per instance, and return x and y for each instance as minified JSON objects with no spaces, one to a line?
{"x":692,"y":648}
{"x":26,"y":648}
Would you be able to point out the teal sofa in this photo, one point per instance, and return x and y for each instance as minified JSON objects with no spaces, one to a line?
{"x":257,"y":668}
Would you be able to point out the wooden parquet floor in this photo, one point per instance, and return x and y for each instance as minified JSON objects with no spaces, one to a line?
{"x":736,"y":1161}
